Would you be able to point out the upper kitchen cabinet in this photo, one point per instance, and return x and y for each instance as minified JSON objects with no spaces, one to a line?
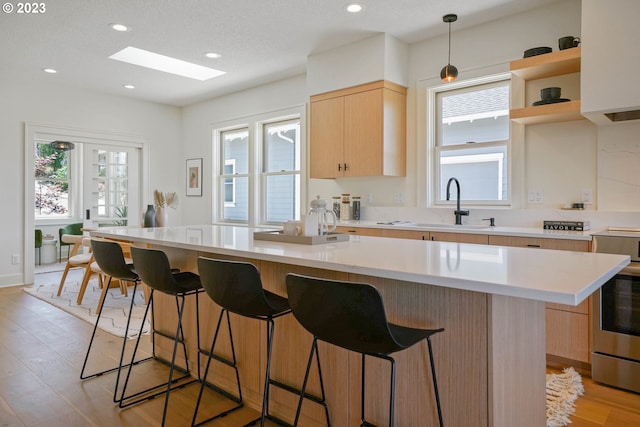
{"x":359,"y":131}
{"x":610,"y":60}
{"x":554,"y":64}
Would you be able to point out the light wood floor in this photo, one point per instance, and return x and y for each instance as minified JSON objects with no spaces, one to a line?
{"x":41,"y":353}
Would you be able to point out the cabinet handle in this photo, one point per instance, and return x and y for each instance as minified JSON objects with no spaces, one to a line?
{"x":339,"y":167}
{"x":533,"y":246}
{"x":345,"y":167}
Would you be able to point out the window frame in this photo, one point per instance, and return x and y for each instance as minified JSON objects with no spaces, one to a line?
{"x":433,"y":149}
{"x":256,"y":176}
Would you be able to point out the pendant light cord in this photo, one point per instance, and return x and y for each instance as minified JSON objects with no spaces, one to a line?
{"x":449,"y":58}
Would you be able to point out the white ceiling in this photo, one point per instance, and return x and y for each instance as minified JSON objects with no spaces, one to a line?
{"x":260,"y":40}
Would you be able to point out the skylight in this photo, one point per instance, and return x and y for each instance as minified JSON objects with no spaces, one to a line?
{"x":155,"y":61}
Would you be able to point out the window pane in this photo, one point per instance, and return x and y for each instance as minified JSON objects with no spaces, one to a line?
{"x":482,"y":172}
{"x":51,"y":181}
{"x":282,"y":198}
{"x":282,"y":146}
{"x":239,"y":209}
{"x":235,"y":146}
{"x":480,"y":115}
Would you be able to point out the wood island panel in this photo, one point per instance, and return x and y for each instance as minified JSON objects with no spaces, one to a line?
{"x":478,"y":328}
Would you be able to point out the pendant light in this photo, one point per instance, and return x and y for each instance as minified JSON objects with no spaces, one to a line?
{"x":62,"y":145}
{"x":449,"y":72}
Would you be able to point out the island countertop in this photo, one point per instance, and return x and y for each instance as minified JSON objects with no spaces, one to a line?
{"x":549,"y":275}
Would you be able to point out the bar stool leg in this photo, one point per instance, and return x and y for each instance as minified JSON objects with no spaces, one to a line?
{"x":303,"y":394}
{"x":125,"y":401}
{"x":93,"y":334}
{"x":231,"y":363}
{"x":435,"y":382}
{"x":179,"y":335}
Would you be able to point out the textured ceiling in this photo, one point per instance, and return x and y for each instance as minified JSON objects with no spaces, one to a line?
{"x":261,"y":41}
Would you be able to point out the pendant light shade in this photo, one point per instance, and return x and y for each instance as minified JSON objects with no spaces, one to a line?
{"x":449,"y":72}
{"x":62,"y":145}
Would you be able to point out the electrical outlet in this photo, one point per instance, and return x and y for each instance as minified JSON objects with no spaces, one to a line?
{"x":398,"y":198}
{"x":587,"y":196}
{"x":535,"y":197}
{"x":15,"y":259}
{"x":368,"y":198}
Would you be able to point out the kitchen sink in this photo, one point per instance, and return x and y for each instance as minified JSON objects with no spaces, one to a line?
{"x":448,"y":226}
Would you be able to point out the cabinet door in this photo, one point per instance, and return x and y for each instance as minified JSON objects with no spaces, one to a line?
{"x":325,"y":147}
{"x":405,"y":234}
{"x":363,"y":133}
{"x":532,"y":242}
{"x":359,"y":231}
{"x":460,"y":237}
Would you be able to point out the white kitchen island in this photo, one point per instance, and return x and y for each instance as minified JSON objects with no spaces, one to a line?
{"x":490,"y":360}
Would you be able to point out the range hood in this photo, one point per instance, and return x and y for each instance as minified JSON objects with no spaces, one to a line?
{"x":610,"y":64}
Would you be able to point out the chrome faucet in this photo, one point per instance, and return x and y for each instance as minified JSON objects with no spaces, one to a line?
{"x":458,"y":213}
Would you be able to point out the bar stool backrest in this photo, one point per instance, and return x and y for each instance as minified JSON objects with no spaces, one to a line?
{"x":152,"y":265}
{"x":110,"y":259}
{"x":235,"y":286}
{"x":347,"y":314}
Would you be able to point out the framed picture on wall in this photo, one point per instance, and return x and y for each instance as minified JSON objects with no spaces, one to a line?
{"x":194,"y":177}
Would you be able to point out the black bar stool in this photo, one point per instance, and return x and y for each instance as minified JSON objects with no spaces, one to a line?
{"x":153,"y":267}
{"x":352,"y":316}
{"x":110,"y":259}
{"x":237,"y":288}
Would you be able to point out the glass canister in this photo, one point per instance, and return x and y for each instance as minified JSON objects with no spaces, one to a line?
{"x":355,"y":209}
{"x":336,"y":205}
{"x":345,"y":209}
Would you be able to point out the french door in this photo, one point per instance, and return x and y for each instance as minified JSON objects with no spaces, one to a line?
{"x":111,"y":185}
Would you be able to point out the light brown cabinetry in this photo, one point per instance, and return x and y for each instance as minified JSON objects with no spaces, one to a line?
{"x":359,"y":231}
{"x":459,"y":237}
{"x":359,"y":131}
{"x":567,"y":327}
{"x":542,"y":66}
{"x":406,"y":234}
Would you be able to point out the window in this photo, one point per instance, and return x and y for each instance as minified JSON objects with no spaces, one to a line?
{"x":52,"y":182}
{"x":235,"y":174}
{"x":472,"y":140}
{"x":229,"y":183}
{"x":259,"y":169}
{"x":281,"y":170}
{"x":112,"y":186}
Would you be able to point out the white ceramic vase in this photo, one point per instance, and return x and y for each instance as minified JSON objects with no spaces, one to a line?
{"x":162,"y":217}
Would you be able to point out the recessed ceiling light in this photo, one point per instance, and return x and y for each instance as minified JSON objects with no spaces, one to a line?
{"x":119,"y":27}
{"x":128,"y":86}
{"x":354,"y":8}
{"x":155,"y":61}
{"x":212,"y":55}
{"x":49,"y":70}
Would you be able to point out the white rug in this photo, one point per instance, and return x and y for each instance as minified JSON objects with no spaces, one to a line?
{"x":562,"y":392}
{"x":116,"y":305}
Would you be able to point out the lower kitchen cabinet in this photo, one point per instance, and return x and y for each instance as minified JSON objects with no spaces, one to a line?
{"x":358,"y":231}
{"x":568,"y":336}
{"x":439,"y":236}
{"x":405,"y":234}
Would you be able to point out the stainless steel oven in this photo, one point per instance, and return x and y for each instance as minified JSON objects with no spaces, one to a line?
{"x":616,"y":316}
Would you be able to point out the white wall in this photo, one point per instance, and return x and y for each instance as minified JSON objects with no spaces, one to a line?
{"x":26,"y":101}
{"x":198,"y":121}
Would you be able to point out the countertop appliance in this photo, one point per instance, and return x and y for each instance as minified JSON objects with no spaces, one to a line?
{"x":616,"y":315}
